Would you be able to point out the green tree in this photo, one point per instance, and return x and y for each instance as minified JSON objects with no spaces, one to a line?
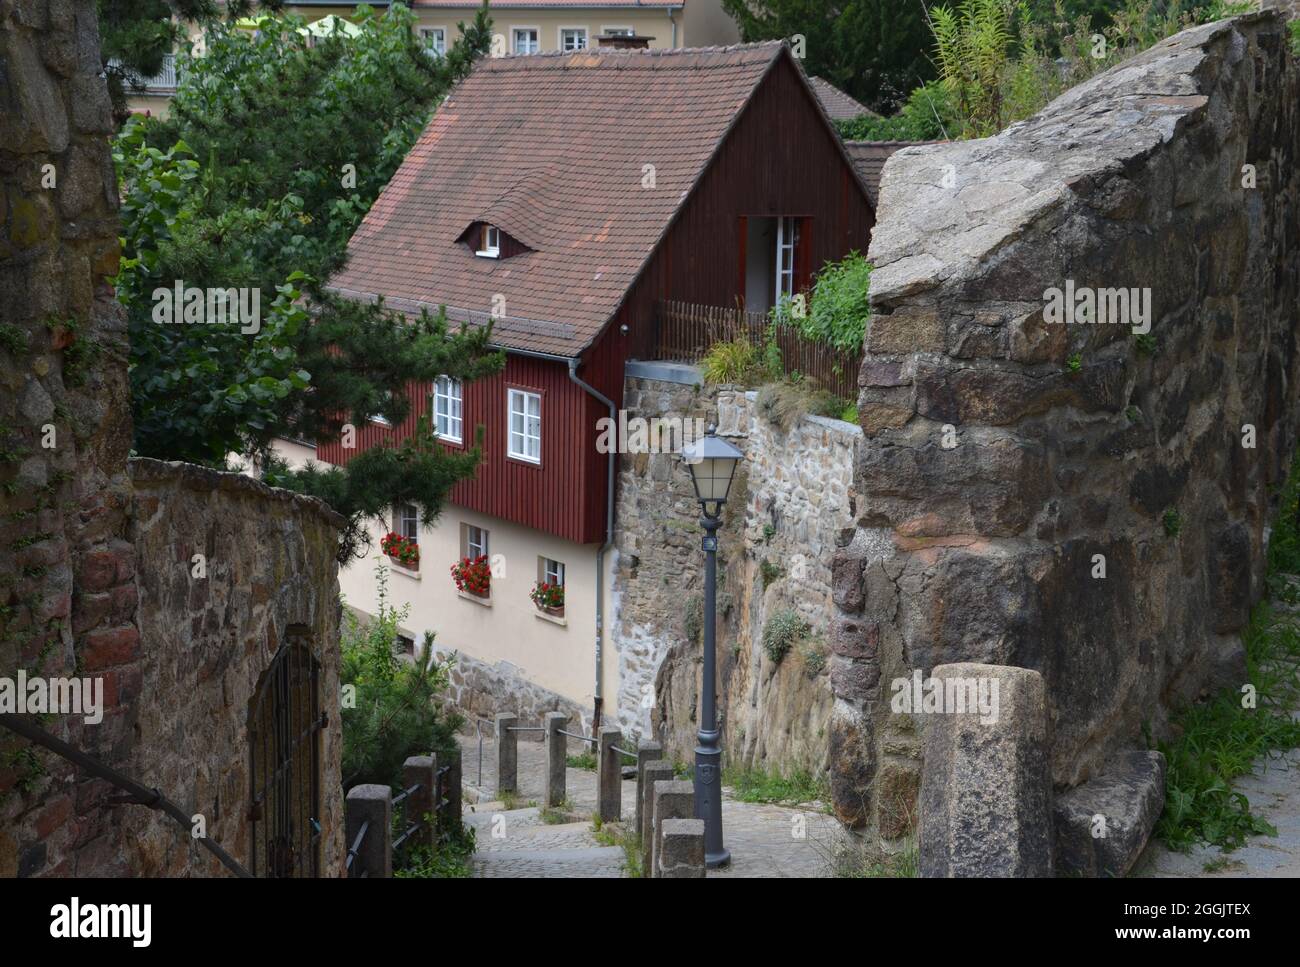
{"x":873,"y":49}
{"x":273,"y":153}
{"x":135,"y":36}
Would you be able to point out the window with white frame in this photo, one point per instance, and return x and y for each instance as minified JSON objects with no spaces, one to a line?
{"x":618,"y":31}
{"x":473,"y":541}
{"x":489,"y":242}
{"x":447,"y":401}
{"x":407,"y":522}
{"x":787,"y":240}
{"x":435,"y":40}
{"x":525,"y":40}
{"x":550,"y":572}
{"x":525,"y":427}
{"x":573,"y":38}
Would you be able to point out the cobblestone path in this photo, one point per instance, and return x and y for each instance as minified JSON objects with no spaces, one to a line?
{"x":765,"y":840}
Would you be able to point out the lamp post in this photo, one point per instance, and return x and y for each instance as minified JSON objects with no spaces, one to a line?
{"x":712,"y":462}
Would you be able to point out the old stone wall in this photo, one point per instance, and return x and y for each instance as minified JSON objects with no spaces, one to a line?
{"x":791,"y":496}
{"x":480,"y":689}
{"x":270,"y":567}
{"x":67,"y":571}
{"x":93,"y":568}
{"x":1075,"y":499}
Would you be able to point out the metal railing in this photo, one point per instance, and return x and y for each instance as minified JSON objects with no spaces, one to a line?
{"x":136,"y":793}
{"x":432,"y":790}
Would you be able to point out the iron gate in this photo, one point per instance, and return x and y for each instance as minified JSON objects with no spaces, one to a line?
{"x":284,"y":728}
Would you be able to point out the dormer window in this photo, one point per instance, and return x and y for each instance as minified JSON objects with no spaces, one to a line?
{"x":489,"y":242}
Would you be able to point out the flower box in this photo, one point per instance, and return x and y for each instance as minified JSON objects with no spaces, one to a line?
{"x":403,"y":550}
{"x":549,"y":598}
{"x":473,"y":576}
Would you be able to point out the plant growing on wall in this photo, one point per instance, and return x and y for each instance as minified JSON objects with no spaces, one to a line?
{"x":783,"y":631}
{"x":473,"y":576}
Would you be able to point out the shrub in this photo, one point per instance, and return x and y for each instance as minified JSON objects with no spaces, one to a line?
{"x":839,"y":311}
{"x":735,"y":361}
{"x":781,"y":632}
{"x":395,"y":714}
{"x":783,"y":404}
{"x":928,"y":115}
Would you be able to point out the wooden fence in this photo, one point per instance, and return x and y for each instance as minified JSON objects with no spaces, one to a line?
{"x":686,"y":331}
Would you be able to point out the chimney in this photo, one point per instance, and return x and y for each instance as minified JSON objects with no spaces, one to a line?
{"x":624,"y":41}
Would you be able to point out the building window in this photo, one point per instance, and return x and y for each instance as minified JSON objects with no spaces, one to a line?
{"x":787,"y":240}
{"x":435,"y":40}
{"x":473,"y":541}
{"x":550,"y":572}
{"x":447,"y":409}
{"x":407,"y":522}
{"x":573,"y":38}
{"x":525,"y":427}
{"x":405,"y":644}
{"x":489,"y":242}
{"x":618,"y":31}
{"x":525,"y":40}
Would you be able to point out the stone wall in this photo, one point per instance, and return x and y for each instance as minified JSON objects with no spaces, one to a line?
{"x":1007,"y":457}
{"x":480,"y":689}
{"x":93,"y":568}
{"x":270,"y":567}
{"x":791,"y":496}
{"x":67,"y":571}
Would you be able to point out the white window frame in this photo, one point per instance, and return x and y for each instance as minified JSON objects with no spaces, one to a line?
{"x":514,"y":39}
{"x":449,"y":409}
{"x":547,"y":574}
{"x":440,"y":48}
{"x":787,"y":239}
{"x":473,"y":549}
{"x":623,"y":31}
{"x":561,"y":31}
{"x":523,"y":398}
{"x":490,"y":242}
{"x":408,"y":522}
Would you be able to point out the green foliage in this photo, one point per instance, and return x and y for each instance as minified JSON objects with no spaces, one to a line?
{"x":928,"y":114}
{"x":759,"y":785}
{"x":839,"y":310}
{"x":396,"y":712}
{"x":734,"y":361}
{"x":583,"y":760}
{"x":784,"y":403}
{"x":972,"y":48}
{"x":449,"y":859}
{"x":783,"y":631}
{"x":1284,"y":542}
{"x":814,"y":655}
{"x":873,"y":49}
{"x":1146,"y":343}
{"x":1074,"y":363}
{"x":769,"y":572}
{"x":273,"y":153}
{"x":1172,"y":522}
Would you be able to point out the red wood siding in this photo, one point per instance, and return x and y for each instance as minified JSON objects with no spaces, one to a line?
{"x":564,"y":495}
{"x":779,"y":159}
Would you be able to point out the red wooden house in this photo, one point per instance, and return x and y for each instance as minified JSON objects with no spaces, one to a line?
{"x":566,"y":196}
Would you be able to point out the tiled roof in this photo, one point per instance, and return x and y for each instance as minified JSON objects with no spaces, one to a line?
{"x":869,"y":158}
{"x":838,"y":105}
{"x":554,"y":150}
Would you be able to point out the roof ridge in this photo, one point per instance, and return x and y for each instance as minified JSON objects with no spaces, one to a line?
{"x":656,"y":53}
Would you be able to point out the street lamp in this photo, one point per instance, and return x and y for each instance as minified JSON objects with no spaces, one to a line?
{"x":712,"y":463}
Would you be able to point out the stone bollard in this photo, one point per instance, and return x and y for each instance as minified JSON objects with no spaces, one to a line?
{"x":672,"y":800}
{"x":681,"y":854}
{"x":986,"y":792}
{"x":507,"y":753}
{"x":449,"y":809}
{"x":373,"y":803}
{"x":609,"y":775}
{"x":655,"y":771}
{"x":420,"y":805}
{"x":556,"y":758}
{"x":646,"y":752}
